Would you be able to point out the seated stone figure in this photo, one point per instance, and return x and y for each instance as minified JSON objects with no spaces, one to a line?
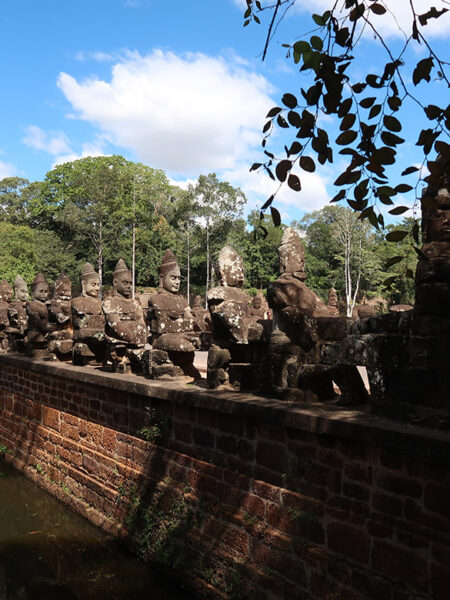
{"x":125,"y":329}
{"x":89,"y":345}
{"x":171,"y":325}
{"x":258,"y":307}
{"x":333,"y":302}
{"x":60,"y":315}
{"x":17,"y":316}
{"x":5,"y":301}
{"x":301,"y":324}
{"x":202,"y":318}
{"x":38,"y":320}
{"x":231,"y":358}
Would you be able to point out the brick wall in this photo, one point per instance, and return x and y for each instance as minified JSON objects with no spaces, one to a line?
{"x":240,"y":497}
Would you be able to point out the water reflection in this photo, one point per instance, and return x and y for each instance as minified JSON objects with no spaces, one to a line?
{"x":48,"y":552}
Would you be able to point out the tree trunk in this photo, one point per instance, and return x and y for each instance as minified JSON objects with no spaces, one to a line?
{"x":100,"y":258}
{"x":133,"y":249}
{"x":207,"y":264}
{"x":188,"y":284}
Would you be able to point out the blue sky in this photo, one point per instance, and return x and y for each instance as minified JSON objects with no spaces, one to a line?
{"x":177,"y":85}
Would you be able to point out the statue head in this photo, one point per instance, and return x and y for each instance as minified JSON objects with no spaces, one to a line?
{"x":291,"y":254}
{"x":257,"y":302}
{"x":90,"y":281}
{"x":5,"y":291}
{"x":230,"y":268}
{"x":332,"y":297}
{"x":39,"y":288}
{"x":169,"y":273}
{"x":63,"y":288}
{"x":122,"y":280}
{"x":20,"y":289}
{"x":198,"y":303}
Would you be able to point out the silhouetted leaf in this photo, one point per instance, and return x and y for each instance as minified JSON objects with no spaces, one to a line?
{"x":267,"y":203}
{"x":402,"y":188}
{"x":392,"y":123}
{"x":396,"y":236}
{"x":347,"y":121}
{"x":282,"y":122}
{"x":276,"y":217}
{"x":378,"y":9}
{"x":367,"y":102}
{"x":394,"y":102}
{"x":282,"y":169}
{"x":433,"y":13}
{"x":295,"y":148}
{"x":316,"y":42}
{"x":347,"y":137}
{"x":399,"y":210}
{"x":339,"y":196}
{"x":307,"y":164}
{"x":390,"y":139}
{"x":393,"y":261}
{"x":255,"y":166}
{"x":273,"y":112}
{"x":410,"y":170}
{"x":348,"y":177}
{"x":294,"y":118}
{"x":289,"y":100}
{"x":294,"y":182}
{"x":422,"y":70}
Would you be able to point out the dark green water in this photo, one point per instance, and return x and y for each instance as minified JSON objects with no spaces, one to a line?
{"x":48,"y":552}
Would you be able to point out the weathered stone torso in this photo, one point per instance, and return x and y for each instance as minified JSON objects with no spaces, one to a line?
{"x":87,"y":316}
{"x":125,"y":320}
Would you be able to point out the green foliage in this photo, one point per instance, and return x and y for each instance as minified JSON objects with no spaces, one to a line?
{"x":369,"y":107}
{"x":25,"y":251}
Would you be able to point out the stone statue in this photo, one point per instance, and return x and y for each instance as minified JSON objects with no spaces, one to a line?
{"x":5,"y":301}
{"x":333,"y":302}
{"x":202,"y":318}
{"x":38,"y":319}
{"x":233,"y":325}
{"x":258,"y":307}
{"x":302,"y":323}
{"x":60,"y":315}
{"x":171,"y":324}
{"x":17,"y":316}
{"x":125,"y":326}
{"x":289,"y":296}
{"x":89,"y":345}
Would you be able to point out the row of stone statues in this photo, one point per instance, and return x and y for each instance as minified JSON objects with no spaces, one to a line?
{"x":159,"y":338}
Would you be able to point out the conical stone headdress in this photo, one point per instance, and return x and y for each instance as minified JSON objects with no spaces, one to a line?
{"x":121,"y":267}
{"x":63,"y":285}
{"x":39,"y":279}
{"x":87,"y":271}
{"x":19,"y":282}
{"x":169,"y":260}
{"x":5,"y":290}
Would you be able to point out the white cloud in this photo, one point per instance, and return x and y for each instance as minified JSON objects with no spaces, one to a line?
{"x":387,"y":24}
{"x":258,"y":187}
{"x":186,"y":114}
{"x":7,"y":170}
{"x":88,"y":149}
{"x":98,"y":56}
{"x":55,"y":142}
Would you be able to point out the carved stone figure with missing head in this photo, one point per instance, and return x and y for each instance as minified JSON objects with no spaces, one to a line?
{"x":125,"y":326}
{"x":5,"y":301}
{"x":60,"y":315}
{"x":231,"y":358}
{"x":17,"y":316}
{"x":38,"y":319}
{"x":171,"y":324}
{"x":88,"y":320}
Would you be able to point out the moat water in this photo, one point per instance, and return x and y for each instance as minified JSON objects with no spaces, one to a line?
{"x":48,"y":552}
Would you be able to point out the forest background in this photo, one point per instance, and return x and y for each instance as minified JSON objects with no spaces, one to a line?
{"x":104,"y":208}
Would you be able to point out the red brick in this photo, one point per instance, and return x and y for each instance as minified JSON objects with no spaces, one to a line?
{"x":271,"y":456}
{"x":330,"y":457}
{"x":232,"y":424}
{"x":266,"y":491}
{"x":353,"y":490}
{"x":51,"y":418}
{"x":400,"y":564}
{"x":70,"y":431}
{"x":403,"y":486}
{"x":358,"y":471}
{"x":182,"y":432}
{"x":206,"y":418}
{"x":278,"y":518}
{"x":437,"y":499}
{"x":347,"y":509}
{"x":254,"y":506}
{"x":379,"y":528}
{"x":270,"y":432}
{"x":109,"y":440}
{"x":387,"y":504}
{"x":202,"y":483}
{"x":441,"y":553}
{"x":440,"y":582}
{"x":349,"y":541}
